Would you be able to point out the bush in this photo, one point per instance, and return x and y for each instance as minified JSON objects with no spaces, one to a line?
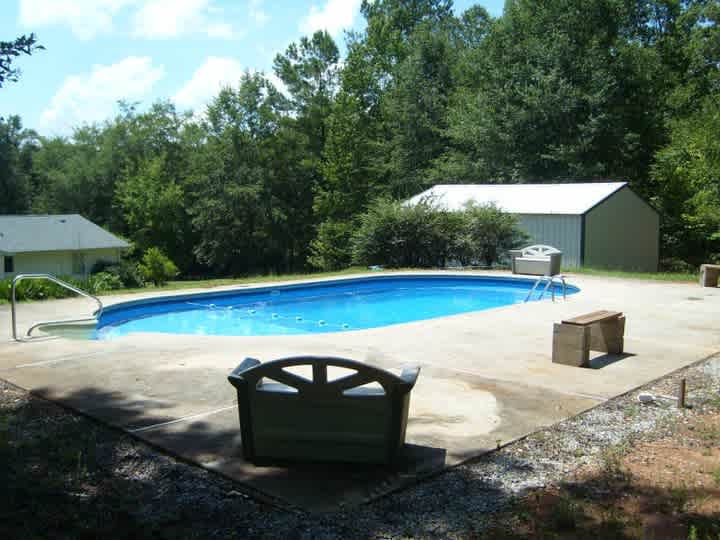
{"x":101,"y":266}
{"x":128,"y":273}
{"x":103,"y":281}
{"x":395,"y":235}
{"x":43,"y":289}
{"x":331,"y":248}
{"x":156,"y":267}
{"x":677,"y":266}
{"x":490,"y":232}
{"x":424,"y":236}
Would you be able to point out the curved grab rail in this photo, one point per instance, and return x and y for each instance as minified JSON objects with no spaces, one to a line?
{"x":65,"y":284}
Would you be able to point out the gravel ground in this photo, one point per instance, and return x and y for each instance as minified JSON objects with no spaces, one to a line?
{"x":167,"y":498}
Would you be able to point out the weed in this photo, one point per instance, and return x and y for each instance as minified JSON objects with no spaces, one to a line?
{"x":566,"y":514}
{"x":678,"y":498}
{"x":611,"y":461}
{"x":612,"y":523}
{"x":716,"y":476}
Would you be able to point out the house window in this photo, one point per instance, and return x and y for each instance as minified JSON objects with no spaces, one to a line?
{"x":78,"y":262}
{"x":9,"y":266}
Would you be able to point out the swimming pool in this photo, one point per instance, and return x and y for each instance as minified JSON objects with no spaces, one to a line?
{"x":318,"y":307}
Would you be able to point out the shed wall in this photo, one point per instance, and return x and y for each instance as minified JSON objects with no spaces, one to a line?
{"x":557,"y":230}
{"x":622,"y":232}
{"x":60,"y":263}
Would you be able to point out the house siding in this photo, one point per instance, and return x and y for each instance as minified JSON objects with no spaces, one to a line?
{"x":623,"y":233}
{"x":59,"y":263}
{"x":558,"y":230}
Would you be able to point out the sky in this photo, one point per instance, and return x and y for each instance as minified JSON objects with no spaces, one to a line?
{"x":100,"y":51}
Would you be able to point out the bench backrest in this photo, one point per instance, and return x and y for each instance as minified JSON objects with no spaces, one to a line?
{"x":539,"y":250}
{"x":290,"y":416}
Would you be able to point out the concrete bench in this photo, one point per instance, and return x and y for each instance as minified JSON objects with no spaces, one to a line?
{"x":709,"y":274}
{"x":573,"y":339}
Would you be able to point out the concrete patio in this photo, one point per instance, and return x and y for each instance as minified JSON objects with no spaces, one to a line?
{"x":487,"y":379}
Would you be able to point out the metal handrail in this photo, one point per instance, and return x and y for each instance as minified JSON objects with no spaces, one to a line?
{"x":548,"y":285}
{"x":28,"y":337}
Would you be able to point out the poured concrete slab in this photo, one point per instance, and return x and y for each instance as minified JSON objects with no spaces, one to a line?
{"x":487,"y":378}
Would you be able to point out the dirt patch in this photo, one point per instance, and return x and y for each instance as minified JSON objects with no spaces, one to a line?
{"x":663,"y":489}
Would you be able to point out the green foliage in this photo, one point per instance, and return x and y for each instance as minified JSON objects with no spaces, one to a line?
{"x":10,"y":50}
{"x":156,"y":267}
{"x":16,"y":148}
{"x":103,"y":281}
{"x":687,"y":176}
{"x":331,"y":248}
{"x":395,"y":235}
{"x":490,"y":232}
{"x":45,"y":290}
{"x":421,"y":235}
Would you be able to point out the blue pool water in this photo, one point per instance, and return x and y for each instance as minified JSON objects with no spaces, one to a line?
{"x":331,"y":306}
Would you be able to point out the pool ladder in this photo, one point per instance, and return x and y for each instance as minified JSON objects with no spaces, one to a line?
{"x":549,"y":282}
{"x":28,"y":336}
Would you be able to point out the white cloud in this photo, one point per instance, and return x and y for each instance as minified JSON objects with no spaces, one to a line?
{"x":148,"y":18}
{"x":86,"y":18}
{"x":172,"y":18}
{"x":207,"y":81}
{"x":257,"y":13}
{"x":334,"y":16}
{"x":92,"y":97}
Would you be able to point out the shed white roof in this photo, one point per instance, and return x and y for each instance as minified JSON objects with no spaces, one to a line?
{"x":68,"y":232}
{"x":573,"y":199}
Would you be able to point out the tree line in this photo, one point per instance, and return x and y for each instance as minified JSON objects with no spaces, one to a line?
{"x":278,"y":180}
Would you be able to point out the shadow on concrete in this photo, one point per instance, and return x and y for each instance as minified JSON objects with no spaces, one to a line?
{"x":607,"y":359}
{"x":214,"y":442}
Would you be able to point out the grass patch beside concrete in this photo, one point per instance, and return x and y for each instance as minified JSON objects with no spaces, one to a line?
{"x":683,"y":277}
{"x":225,"y":282}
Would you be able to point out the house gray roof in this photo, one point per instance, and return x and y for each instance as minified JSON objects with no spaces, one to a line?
{"x":70,"y":232}
{"x":573,"y":199}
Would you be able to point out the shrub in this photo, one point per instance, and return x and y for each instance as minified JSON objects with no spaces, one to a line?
{"x":423,"y":235}
{"x":156,"y":267}
{"x":101,"y":266}
{"x":491,"y":232}
{"x":395,"y":235}
{"x":675,"y":265}
{"x":331,"y":249}
{"x":103,"y":281}
{"x":44,"y":289}
{"x":128,"y":273}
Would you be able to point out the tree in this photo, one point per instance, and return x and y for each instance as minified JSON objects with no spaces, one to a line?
{"x":687,"y":186}
{"x":10,"y":50}
{"x":561,"y":91}
{"x":16,"y":152}
{"x":229,"y":205}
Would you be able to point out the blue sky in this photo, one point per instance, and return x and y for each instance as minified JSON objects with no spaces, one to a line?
{"x":100,"y":51}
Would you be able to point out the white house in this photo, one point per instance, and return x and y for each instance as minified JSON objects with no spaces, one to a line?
{"x":603,"y":225}
{"x":63,"y":245}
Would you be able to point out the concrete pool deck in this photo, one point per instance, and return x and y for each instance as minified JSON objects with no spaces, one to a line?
{"x":487,"y":378}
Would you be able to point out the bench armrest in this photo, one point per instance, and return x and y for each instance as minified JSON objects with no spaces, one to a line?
{"x":515,"y":253}
{"x":410,"y":374}
{"x":246,"y":364}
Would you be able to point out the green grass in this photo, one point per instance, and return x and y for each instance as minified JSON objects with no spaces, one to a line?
{"x":654,"y":276}
{"x":220,"y":282}
{"x":223,"y":282}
